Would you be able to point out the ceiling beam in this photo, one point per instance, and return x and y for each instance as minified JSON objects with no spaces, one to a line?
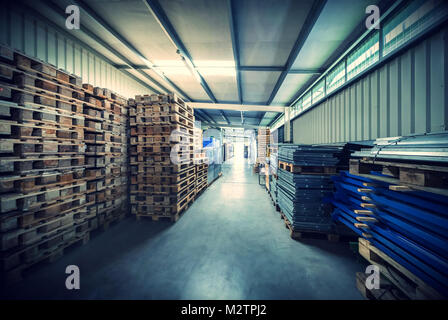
{"x":94,"y":16}
{"x":235,"y":46}
{"x":237,"y":107}
{"x":261,"y":68}
{"x":219,"y":125}
{"x":305,"y":71}
{"x":308,"y":25}
{"x":205,"y":115}
{"x":224,"y":116}
{"x":156,"y":9}
{"x":237,"y":68}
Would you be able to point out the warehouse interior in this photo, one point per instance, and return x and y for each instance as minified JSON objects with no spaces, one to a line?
{"x":224,"y":149}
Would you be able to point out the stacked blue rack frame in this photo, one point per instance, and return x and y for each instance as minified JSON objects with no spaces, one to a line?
{"x":411,"y":227}
{"x":403,"y":217}
{"x":303,"y":197}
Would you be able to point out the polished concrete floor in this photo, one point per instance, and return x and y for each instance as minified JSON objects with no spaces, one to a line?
{"x":230,"y":244}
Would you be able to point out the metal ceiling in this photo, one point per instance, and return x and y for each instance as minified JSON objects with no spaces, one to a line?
{"x":277,"y":46}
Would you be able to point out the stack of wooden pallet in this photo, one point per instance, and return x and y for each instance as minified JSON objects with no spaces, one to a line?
{"x":200,"y":160}
{"x":161,"y":152}
{"x":42,"y":184}
{"x":106,"y":155}
{"x":263,"y":145}
{"x":199,"y":152}
{"x":201,"y":178}
{"x":62,"y":161}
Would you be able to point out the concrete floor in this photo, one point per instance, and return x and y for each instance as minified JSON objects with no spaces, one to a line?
{"x":230,"y":244}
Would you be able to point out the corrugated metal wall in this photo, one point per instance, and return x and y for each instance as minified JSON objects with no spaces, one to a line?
{"x":405,"y":96}
{"x":33,"y":36}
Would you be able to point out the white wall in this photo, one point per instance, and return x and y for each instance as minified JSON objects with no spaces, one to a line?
{"x":405,"y":96}
{"x":35,"y":37}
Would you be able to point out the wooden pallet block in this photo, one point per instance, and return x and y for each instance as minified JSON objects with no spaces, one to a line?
{"x":306,"y":169}
{"x":308,"y":234}
{"x":409,"y":173}
{"x":38,"y":182}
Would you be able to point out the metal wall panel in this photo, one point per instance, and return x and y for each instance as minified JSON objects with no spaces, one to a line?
{"x":37,"y":38}
{"x":404,"y":96}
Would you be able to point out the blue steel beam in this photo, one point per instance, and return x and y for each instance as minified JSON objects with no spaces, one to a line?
{"x":205,"y":115}
{"x":235,"y":46}
{"x":94,"y":16}
{"x":303,"y":35}
{"x":159,"y":14}
{"x":224,"y":116}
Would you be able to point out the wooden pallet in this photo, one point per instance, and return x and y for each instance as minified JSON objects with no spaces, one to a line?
{"x":167,"y":148}
{"x":161,"y":200}
{"x":40,"y":114}
{"x":59,"y":78}
{"x":49,"y":255}
{"x":397,"y":185}
{"x":34,"y":183}
{"x":172,"y":138}
{"x":160,"y":109}
{"x":308,"y":234}
{"x":160,"y":168}
{"x":201,"y":167}
{"x":203,"y":173}
{"x":161,"y":189}
{"x":163,"y":179}
{"x":171,"y":213}
{"x":306,"y":169}
{"x":408,"y":173}
{"x":412,"y":286}
{"x":201,"y":187}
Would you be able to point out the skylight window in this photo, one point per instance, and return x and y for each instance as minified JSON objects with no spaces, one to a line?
{"x":416,"y":18}
{"x":336,"y":78}
{"x":319,"y":91}
{"x":366,"y":55}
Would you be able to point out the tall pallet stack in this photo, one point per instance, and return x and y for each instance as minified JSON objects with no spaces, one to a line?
{"x":42,"y":184}
{"x":161,"y":156}
{"x":304,"y":184}
{"x":201,"y":162}
{"x":106,"y":156}
{"x":199,"y":152}
{"x":263,"y":145}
